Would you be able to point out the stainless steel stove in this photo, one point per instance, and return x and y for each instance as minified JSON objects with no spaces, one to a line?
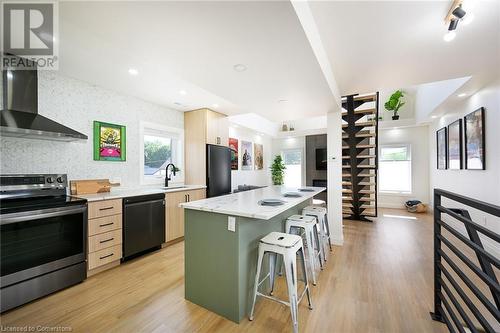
{"x":43,"y":235}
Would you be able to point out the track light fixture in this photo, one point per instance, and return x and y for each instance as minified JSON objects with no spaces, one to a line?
{"x":455,"y":14}
{"x":453,"y":24}
{"x":458,"y":12}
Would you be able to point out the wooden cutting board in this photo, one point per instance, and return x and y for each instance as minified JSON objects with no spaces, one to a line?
{"x":90,"y":186}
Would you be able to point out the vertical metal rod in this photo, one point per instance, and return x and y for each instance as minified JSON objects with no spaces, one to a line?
{"x":438,"y":311}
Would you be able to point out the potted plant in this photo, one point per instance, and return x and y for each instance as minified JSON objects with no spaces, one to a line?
{"x":395,"y":103}
{"x":277,"y":170}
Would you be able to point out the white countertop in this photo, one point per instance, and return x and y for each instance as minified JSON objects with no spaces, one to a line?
{"x":246,"y":203}
{"x":117,"y":193}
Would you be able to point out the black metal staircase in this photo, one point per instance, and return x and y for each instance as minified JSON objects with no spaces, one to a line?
{"x":359,"y":156}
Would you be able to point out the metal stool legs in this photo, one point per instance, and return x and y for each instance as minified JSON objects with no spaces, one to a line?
{"x":289,"y":254}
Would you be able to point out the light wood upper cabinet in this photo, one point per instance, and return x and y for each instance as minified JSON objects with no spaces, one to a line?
{"x":217,"y":129}
{"x":174,"y":214}
{"x":202,"y":127}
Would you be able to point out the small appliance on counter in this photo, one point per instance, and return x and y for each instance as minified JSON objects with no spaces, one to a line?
{"x":218,"y":170}
{"x":143,"y":224}
{"x":43,"y":236}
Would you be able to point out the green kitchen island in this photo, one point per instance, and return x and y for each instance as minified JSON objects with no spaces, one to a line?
{"x":221,"y":239}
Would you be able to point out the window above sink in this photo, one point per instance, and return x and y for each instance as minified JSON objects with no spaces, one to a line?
{"x":159,"y":146}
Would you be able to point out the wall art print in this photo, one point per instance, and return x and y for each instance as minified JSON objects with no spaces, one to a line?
{"x":455,"y":145}
{"x":258,"y":151}
{"x":233,"y":145}
{"x":475,"y":151}
{"x":247,"y":155}
{"x":109,"y":142}
{"x":442,"y":148}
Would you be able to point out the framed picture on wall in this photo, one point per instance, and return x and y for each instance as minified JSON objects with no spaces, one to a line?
{"x":259,"y":156}
{"x":442,"y":148}
{"x":247,"y":155}
{"x":475,"y":140}
{"x":455,"y":145}
{"x":233,"y":145}
{"x":109,"y":142}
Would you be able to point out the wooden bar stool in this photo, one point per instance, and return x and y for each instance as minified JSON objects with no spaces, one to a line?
{"x":321,"y":214}
{"x":308,"y":229}
{"x":288,"y":246}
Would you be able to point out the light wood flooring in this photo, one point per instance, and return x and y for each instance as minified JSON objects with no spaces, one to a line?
{"x":380,"y":280}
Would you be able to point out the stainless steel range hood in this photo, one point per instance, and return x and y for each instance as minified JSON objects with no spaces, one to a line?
{"x":19,"y":116}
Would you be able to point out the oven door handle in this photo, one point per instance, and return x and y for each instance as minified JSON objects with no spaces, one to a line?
{"x":40,"y":214}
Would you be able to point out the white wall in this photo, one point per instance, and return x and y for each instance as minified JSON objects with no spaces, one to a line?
{"x":77,"y":104}
{"x":417,"y":137}
{"x":299,"y":142}
{"x":483,"y":185}
{"x":251,"y":177}
{"x":334,"y":147}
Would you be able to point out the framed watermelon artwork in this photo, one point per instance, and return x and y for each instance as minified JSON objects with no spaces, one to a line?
{"x":109,"y":142}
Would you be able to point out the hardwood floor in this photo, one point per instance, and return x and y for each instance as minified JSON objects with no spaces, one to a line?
{"x":380,"y":280}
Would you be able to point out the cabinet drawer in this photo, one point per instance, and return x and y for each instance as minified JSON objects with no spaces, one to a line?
{"x":105,"y":256}
{"x":105,"y":208}
{"x":105,"y":224}
{"x":105,"y":240}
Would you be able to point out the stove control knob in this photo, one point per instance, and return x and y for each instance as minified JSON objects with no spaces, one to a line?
{"x":60,"y":180}
{"x":49,"y":180}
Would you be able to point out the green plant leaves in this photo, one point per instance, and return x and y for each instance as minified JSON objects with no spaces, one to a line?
{"x":277,"y":170}
{"x":395,"y":103}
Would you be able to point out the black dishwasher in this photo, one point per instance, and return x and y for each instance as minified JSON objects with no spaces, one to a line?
{"x":143,"y":223}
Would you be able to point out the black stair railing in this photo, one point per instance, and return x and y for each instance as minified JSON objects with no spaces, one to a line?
{"x":453,"y":304}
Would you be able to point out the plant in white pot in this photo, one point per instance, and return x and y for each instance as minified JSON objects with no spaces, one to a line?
{"x":395,"y":103}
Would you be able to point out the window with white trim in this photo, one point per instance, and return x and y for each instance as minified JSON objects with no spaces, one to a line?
{"x":292,"y":158}
{"x":395,"y":168}
{"x":160,"y":145}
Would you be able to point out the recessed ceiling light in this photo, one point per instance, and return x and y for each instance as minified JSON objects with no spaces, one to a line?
{"x":434,"y":117}
{"x":133,"y":71}
{"x":449,"y":36}
{"x":215,"y":106}
{"x":240,"y":67}
{"x":282,"y":101}
{"x":462,"y":95}
{"x":183,"y":92}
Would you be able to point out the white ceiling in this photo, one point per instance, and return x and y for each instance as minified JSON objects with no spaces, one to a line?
{"x":379,"y":45}
{"x":193,"y":46}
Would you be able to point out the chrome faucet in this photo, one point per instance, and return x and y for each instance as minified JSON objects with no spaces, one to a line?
{"x":167,"y":177}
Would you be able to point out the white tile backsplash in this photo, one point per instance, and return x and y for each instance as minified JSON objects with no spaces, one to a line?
{"x":77,"y":104}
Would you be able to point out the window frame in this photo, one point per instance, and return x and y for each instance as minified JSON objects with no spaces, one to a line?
{"x":302,"y":161}
{"x":409,"y":159}
{"x":177,"y":136}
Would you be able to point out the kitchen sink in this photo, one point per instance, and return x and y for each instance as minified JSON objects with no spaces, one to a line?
{"x":173,"y":187}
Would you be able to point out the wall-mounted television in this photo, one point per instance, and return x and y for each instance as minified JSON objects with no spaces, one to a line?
{"x":321,"y":159}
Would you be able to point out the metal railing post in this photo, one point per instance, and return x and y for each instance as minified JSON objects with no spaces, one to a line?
{"x":437,"y":314}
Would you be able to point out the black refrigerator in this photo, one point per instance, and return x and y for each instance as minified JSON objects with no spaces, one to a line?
{"x":218,"y":170}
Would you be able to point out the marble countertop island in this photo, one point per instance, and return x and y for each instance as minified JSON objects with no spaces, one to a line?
{"x":246,"y":203}
{"x":221,"y":240}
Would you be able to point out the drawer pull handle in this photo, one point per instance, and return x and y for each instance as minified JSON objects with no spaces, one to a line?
{"x":106,"y":224}
{"x":106,"y":240}
{"x":107,"y":256}
{"x":106,"y":208}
